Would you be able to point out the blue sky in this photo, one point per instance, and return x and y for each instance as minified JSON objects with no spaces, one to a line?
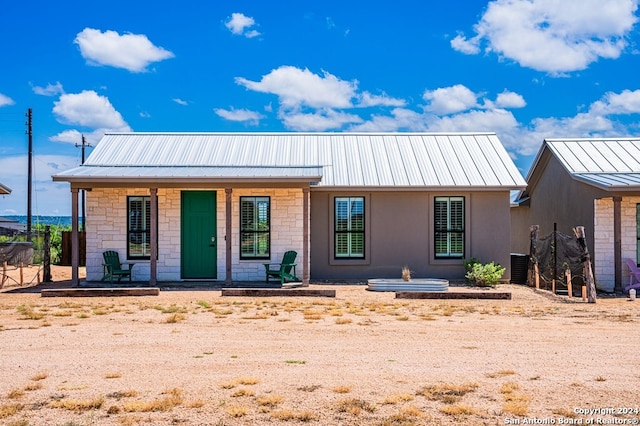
{"x":525,"y":69}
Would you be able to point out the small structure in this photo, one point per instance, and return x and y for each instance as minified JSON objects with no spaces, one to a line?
{"x":591,"y":182}
{"x":217,"y":206}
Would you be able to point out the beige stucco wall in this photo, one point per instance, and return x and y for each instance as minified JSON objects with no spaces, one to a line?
{"x":604,"y":240}
{"x":107,"y":227}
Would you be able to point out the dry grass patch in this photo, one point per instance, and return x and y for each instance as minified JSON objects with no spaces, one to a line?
{"x":459,"y":410}
{"x":312,"y":315}
{"x":15,"y":394}
{"x":397,"y":398}
{"x":123,"y":394}
{"x":197,"y":403}
{"x":248,"y":381}
{"x":515,"y":403}
{"x":447,"y":393}
{"x":310,"y":388}
{"x":243,"y":392}
{"x":237,"y":411}
{"x":113,"y":375}
{"x":500,"y":373}
{"x":342,"y":389}
{"x":77,"y":404}
{"x":175,"y":318}
{"x":342,"y":321}
{"x":8,"y":410}
{"x":563,"y":412}
{"x":28,"y":313}
{"x":172,"y":309}
{"x":172,"y":399}
{"x":288,"y":415}
{"x":354,"y":406}
{"x":33,"y":387}
{"x":269,"y":400}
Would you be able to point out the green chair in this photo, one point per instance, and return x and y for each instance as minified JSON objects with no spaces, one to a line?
{"x":282,"y":270}
{"x":113,"y":268}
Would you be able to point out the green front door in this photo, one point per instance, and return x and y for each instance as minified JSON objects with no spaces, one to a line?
{"x":198,"y":240}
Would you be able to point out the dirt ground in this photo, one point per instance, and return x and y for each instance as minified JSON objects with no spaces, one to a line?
{"x":194,"y":357}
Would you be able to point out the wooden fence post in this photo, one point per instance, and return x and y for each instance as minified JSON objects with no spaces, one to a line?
{"x":4,"y":273}
{"x":534,"y":275}
{"x":588,"y":274}
{"x":567,"y":274}
{"x":46,"y":274}
{"x":21,"y":274}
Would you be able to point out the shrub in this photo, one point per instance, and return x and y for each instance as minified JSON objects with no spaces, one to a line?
{"x":486,"y":275}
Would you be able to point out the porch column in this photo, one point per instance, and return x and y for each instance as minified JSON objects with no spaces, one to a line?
{"x":617,"y":244}
{"x":75,"y":241}
{"x":228,"y":233}
{"x":305,"y":235}
{"x":153,"y":261}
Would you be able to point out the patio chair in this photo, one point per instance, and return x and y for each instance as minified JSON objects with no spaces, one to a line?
{"x":634,"y":275}
{"x":283,"y":270}
{"x":113,"y":268}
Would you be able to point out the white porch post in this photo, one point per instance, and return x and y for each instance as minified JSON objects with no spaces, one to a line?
{"x":305,"y":235}
{"x":153,"y":261}
{"x":617,"y":244}
{"x":75,"y":241}
{"x":228,"y":234}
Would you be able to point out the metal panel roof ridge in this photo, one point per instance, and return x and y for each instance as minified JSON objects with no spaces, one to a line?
{"x":622,"y":138}
{"x":172,"y":133}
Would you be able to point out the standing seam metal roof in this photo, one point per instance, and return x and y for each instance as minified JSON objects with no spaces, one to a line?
{"x":410,"y":160}
{"x":608,"y":163}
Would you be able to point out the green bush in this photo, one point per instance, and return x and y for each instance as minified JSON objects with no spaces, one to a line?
{"x":487,"y":275}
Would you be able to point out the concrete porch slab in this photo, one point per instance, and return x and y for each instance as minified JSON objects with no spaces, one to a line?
{"x":278,"y":292}
{"x":100,"y":292}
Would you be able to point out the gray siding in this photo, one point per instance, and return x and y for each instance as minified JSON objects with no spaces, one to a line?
{"x":400,"y":232}
{"x":555,"y":198}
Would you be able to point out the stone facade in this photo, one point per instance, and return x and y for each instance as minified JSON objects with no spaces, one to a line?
{"x":107,"y":230}
{"x":604,"y":240}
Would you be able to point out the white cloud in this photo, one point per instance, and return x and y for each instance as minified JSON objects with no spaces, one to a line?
{"x":553,"y":36}
{"x":50,"y":90}
{"x":87,"y":109}
{"x":366,"y":99}
{"x":5,"y":100}
{"x":509,"y":99}
{"x":297,"y":87}
{"x":626,"y":102}
{"x":400,"y":119}
{"x":469,"y":47}
{"x":74,"y":136}
{"x":243,"y":115}
{"x":133,"y":52}
{"x":448,"y":100}
{"x":180,"y":101}
{"x":240,"y":24}
{"x":319,"y":121}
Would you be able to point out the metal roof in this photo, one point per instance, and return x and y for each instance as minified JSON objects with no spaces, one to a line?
{"x":372,"y":160}
{"x":607,"y":163}
{"x":4,"y":189}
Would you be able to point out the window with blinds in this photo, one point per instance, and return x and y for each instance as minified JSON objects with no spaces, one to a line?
{"x":449,"y":227}
{"x":255,"y":227}
{"x":139,"y":227}
{"x":349,"y":227}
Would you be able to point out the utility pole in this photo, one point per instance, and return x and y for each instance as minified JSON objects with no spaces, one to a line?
{"x":29,"y":170}
{"x":82,"y":198}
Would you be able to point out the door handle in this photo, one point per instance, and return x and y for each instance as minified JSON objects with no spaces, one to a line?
{"x":213,"y":242}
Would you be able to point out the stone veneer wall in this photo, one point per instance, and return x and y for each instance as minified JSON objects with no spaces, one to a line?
{"x":107,"y":229}
{"x":604,"y":240}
